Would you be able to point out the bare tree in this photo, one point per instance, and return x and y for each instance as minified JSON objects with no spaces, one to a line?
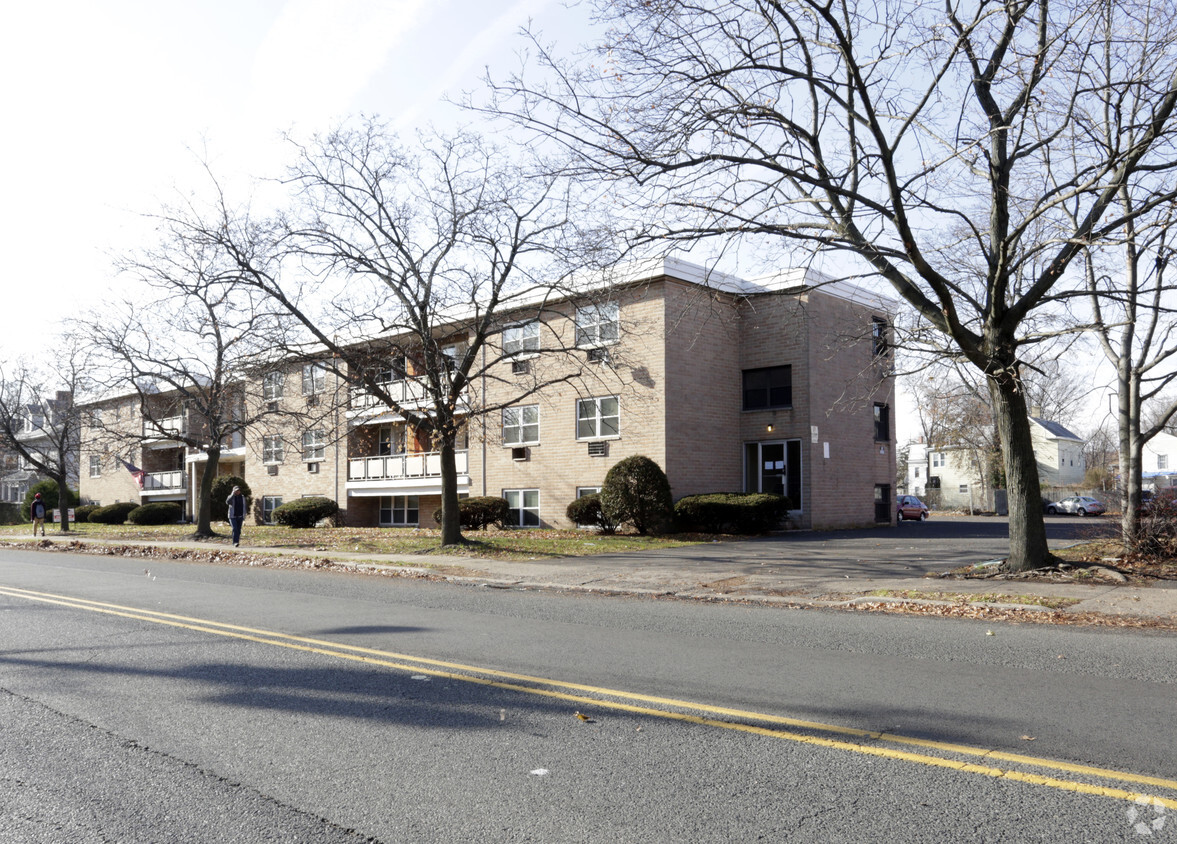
{"x":39,"y":419}
{"x":188,"y":345}
{"x":415,"y":257}
{"x":945,"y":148}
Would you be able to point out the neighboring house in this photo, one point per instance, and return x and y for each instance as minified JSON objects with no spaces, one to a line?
{"x":1059,"y":453}
{"x":38,"y":435}
{"x":781,"y":384}
{"x":916,"y":480}
{"x":960,"y":474}
{"x":1159,"y":461}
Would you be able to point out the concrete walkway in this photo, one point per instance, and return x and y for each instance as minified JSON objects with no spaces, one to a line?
{"x":815,"y":570}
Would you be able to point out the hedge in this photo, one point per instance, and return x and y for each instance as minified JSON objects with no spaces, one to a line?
{"x":82,"y":514}
{"x":305,"y":512}
{"x":587,"y":510}
{"x":113,"y":514}
{"x":156,"y":513}
{"x":731,"y":512}
{"x":480,"y":512}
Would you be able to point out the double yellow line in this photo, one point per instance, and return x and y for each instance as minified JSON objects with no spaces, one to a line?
{"x":872,"y":743}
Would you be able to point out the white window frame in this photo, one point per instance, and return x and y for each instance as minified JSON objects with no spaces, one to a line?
{"x":582,"y":491}
{"x":314,"y":446}
{"x":598,"y":325}
{"x":96,"y":465}
{"x":402,"y":505}
{"x":1162,"y":461}
{"x":516,"y":424}
{"x":273,"y":449}
{"x":314,"y":379}
{"x":270,"y":503}
{"x":521,"y":340}
{"x":598,"y":418}
{"x":517,"y":502}
{"x":273,"y":385}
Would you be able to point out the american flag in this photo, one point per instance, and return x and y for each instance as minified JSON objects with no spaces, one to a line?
{"x":135,"y":471}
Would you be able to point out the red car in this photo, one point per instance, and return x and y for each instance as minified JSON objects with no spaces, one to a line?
{"x":910,"y":507}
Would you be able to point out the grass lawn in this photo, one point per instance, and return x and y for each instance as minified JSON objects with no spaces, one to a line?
{"x":500,"y":544}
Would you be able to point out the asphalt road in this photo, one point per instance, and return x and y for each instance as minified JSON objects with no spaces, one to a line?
{"x":172,"y":704}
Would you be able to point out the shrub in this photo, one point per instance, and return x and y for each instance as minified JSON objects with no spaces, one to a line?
{"x":82,"y":514}
{"x":113,"y":514}
{"x":731,"y":512}
{"x":479,"y":512}
{"x":155,"y":513}
{"x":637,"y":491}
{"x":587,"y":510}
{"x":48,"y":490}
{"x":9,"y":513}
{"x":305,"y":512}
{"x":222,"y":486}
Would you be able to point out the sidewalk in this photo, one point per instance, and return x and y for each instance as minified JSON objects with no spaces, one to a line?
{"x":735,"y":576}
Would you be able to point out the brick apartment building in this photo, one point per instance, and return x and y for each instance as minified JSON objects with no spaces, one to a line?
{"x":781,"y":384}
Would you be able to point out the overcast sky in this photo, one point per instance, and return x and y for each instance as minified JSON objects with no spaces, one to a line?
{"x":108,"y":106}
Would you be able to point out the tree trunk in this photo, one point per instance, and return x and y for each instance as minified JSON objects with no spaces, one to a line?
{"x":63,"y":502}
{"x":1027,"y":528}
{"x":451,"y":524}
{"x":1131,"y":459}
{"x":204,"y":528}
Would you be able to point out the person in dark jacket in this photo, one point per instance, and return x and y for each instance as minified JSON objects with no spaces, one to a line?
{"x":236,"y":504}
{"x":37,"y":511}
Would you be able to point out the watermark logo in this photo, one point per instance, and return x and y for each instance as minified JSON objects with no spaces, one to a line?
{"x":1147,"y":816}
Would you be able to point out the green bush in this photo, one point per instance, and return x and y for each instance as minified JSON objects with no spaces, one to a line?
{"x":9,"y":513}
{"x":222,"y":487}
{"x":480,"y":512}
{"x":586,"y":511}
{"x":48,"y":490}
{"x":82,"y":514}
{"x":637,"y":491}
{"x":113,"y":514}
{"x":305,"y":512}
{"x":156,"y":513}
{"x":731,"y":512}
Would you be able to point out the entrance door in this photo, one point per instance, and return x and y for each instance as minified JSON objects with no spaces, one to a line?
{"x":774,"y":467}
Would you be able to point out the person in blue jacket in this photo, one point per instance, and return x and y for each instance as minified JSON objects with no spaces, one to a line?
{"x":37,"y":511}
{"x":236,"y":504}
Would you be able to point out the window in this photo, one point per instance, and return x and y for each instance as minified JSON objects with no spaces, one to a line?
{"x":1162,"y":461}
{"x":390,"y":439}
{"x":95,"y":465}
{"x":272,"y":386}
{"x":771,"y":386}
{"x":878,"y":334}
{"x":399,"y":510}
{"x":597,"y":324}
{"x":937,"y":459}
{"x":917,"y":471}
{"x":524,"y":506}
{"x":598,"y":418}
{"x":393,"y":371}
{"x":882,"y":422}
{"x":518,"y":339}
{"x":273,"y":450}
{"x":582,"y":491}
{"x":314,"y":379}
{"x":313,"y":445}
{"x":270,"y":503}
{"x":963,"y":489}
{"x":521,"y":425}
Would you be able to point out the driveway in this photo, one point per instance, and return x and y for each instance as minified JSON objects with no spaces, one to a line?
{"x":907,"y":550}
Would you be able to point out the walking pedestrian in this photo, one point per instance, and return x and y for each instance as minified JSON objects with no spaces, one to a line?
{"x":236,"y":504}
{"x":37,"y":511}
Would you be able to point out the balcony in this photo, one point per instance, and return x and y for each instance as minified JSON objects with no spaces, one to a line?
{"x":156,"y":483}
{"x":172,"y":426}
{"x":409,"y":393}
{"x":403,"y":474}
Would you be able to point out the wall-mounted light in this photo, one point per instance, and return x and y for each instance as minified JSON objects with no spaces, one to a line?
{"x":770,"y":429}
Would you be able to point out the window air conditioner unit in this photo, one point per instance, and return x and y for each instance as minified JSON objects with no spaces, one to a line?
{"x":271,"y":406}
{"x":271,"y":470}
{"x":600,"y":449}
{"x":313,"y":468}
{"x":520,"y":453}
{"x":520,"y":367}
{"x":598,"y":355}
{"x":312,"y":401}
